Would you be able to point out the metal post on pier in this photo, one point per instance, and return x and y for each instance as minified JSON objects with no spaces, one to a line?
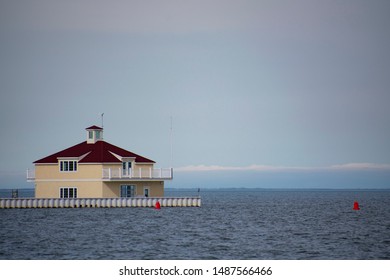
{"x":15,"y":193}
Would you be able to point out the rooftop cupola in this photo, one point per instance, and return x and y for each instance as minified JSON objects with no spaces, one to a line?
{"x":94,"y":134}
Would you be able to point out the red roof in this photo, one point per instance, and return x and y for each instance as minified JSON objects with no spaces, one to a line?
{"x":99,"y":152}
{"x":94,"y":127}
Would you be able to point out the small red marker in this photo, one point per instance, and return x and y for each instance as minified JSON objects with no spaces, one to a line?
{"x":157,"y":206}
{"x":356,"y":206}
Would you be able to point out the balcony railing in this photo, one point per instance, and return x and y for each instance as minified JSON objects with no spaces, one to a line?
{"x":138,"y":173}
{"x":30,"y":174}
{"x":119,"y":173}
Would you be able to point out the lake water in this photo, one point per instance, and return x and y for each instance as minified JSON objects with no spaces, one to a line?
{"x":231,"y":224}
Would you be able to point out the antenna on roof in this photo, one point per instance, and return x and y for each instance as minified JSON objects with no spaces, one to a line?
{"x":102,"y":115}
{"x":170,"y":139}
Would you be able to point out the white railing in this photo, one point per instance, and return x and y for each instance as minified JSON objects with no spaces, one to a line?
{"x":119,"y":173}
{"x":30,"y":174}
{"x":137,"y":173}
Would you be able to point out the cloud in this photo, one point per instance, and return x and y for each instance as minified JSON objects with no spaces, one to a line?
{"x":270,"y":168}
{"x":254,"y":167}
{"x":361,"y":166}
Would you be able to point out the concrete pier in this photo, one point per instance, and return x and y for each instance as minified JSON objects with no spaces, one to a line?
{"x":14,"y":203}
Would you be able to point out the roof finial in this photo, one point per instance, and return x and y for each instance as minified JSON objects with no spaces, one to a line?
{"x":102,"y":115}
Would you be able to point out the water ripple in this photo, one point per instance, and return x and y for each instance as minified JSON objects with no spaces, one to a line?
{"x":229,"y":225}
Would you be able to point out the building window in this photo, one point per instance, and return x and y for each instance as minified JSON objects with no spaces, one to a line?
{"x":68,"y":165}
{"x":127,"y":191}
{"x":68,"y":192}
{"x":90,"y":134}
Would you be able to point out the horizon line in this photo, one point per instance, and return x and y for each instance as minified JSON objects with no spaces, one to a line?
{"x":364,"y":166}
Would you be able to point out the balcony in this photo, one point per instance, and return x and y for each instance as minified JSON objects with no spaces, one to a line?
{"x":137,"y":173}
{"x":109,"y":174}
{"x":30,"y":175}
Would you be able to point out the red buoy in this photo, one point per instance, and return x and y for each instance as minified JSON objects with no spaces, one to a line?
{"x":158,"y":206}
{"x":356,"y":206}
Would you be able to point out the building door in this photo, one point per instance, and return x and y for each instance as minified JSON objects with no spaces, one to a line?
{"x":126,"y":168}
{"x":146,"y":191}
{"x":127,"y":190}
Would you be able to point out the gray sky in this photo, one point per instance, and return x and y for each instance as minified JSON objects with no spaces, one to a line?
{"x":251,"y":85}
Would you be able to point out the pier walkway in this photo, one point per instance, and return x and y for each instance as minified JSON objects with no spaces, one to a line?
{"x":10,"y":203}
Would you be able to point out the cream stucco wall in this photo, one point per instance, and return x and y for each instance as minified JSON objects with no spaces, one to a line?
{"x":84,"y":171}
{"x":88,"y":181}
{"x":84,"y":189}
{"x":156,"y":188}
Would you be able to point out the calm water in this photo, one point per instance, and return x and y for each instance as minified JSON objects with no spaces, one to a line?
{"x":255,"y":224}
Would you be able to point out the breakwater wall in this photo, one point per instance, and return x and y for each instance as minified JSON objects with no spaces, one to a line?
{"x":13,"y":203}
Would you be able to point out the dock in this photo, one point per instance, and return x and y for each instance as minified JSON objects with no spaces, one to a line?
{"x":16,"y":203}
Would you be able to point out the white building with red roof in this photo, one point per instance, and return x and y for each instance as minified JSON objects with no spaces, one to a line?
{"x":94,"y":169}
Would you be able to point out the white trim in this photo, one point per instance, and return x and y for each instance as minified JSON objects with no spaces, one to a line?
{"x":99,"y":163}
{"x":83,"y":156}
{"x":102,"y":180}
{"x":121,"y":158}
{"x":136,"y":179}
{"x":74,"y":158}
{"x":69,"y":180}
{"x":115,"y":155}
